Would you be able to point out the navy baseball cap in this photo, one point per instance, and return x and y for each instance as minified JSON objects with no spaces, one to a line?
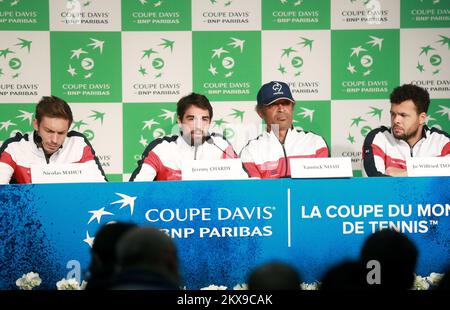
{"x":271,"y":92}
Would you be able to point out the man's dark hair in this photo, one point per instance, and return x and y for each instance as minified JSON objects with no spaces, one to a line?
{"x":397,"y":256}
{"x":54,"y":107}
{"x":195,"y":99}
{"x":418,"y":95}
{"x":148,"y":249}
{"x":348,"y":275}
{"x":274,"y":276}
{"x":106,"y":239}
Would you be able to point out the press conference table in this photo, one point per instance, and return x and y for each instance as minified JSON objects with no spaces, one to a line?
{"x":224,"y":228}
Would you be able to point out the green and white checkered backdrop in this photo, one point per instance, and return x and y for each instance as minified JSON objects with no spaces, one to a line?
{"x":122,"y":65}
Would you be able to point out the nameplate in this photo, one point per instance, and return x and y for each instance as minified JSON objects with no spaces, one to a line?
{"x":63,"y":173}
{"x":223,"y":169}
{"x":335,"y":167}
{"x":428,"y":166}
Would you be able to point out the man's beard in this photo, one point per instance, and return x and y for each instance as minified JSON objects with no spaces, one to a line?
{"x":194,"y":141}
{"x":406,"y":136}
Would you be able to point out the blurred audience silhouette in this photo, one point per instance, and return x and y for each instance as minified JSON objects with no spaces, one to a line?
{"x":103,"y":260}
{"x":147,"y":260}
{"x":274,"y":276}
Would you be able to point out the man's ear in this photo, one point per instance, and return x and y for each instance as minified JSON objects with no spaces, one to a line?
{"x":260,"y":112}
{"x":422,"y":118}
{"x":35,"y":124}
{"x":179,"y":121}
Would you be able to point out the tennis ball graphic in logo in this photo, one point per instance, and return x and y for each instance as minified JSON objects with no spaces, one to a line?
{"x":366,"y":61}
{"x":158,"y":63}
{"x":365,"y":130}
{"x":89,"y":134}
{"x":158,"y":133}
{"x":15,"y":63}
{"x":228,"y":63}
{"x":297,"y":62}
{"x":228,"y":133}
{"x":435,"y":60}
{"x":87,"y":64}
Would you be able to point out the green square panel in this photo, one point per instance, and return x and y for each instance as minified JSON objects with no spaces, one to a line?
{"x":364,"y":63}
{"x":227,"y":65}
{"x":86,"y":66}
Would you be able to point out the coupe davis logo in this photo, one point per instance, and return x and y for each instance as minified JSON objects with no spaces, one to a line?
{"x":224,"y":60}
{"x":11,"y":58}
{"x":292,"y":58}
{"x":17,"y":120}
{"x":361,"y":125}
{"x":227,"y":125}
{"x":431,"y":57}
{"x":82,"y":60}
{"x":153,"y":59}
{"x":154,"y":129}
{"x":92,"y":117}
{"x":364,"y":57}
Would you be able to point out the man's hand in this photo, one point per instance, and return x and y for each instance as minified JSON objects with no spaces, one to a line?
{"x":396,"y":172}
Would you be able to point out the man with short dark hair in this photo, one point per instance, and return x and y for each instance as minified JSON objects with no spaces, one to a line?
{"x":50,"y":143}
{"x":162,"y":159}
{"x":385,"y":150}
{"x":397,"y":257}
{"x":147,"y":260}
{"x":103,"y":254}
{"x":268,"y":155}
{"x":274,"y":276}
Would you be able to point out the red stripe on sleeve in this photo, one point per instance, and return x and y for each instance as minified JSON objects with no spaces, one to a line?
{"x":388,"y":160}
{"x":87,"y":155}
{"x":252,"y":170}
{"x":7,"y":159}
{"x":322,"y":152}
{"x":163,"y":173}
{"x":446,"y":150}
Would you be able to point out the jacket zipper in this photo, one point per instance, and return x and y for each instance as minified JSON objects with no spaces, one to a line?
{"x":285,"y":159}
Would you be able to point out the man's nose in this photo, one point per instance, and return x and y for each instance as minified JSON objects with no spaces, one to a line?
{"x":54,"y":138}
{"x":280,"y":106}
{"x":197,"y":123}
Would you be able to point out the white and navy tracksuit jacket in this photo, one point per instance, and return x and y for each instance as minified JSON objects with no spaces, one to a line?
{"x":20,"y":152}
{"x":162,"y":158}
{"x":265,"y":157}
{"x":382,"y":150}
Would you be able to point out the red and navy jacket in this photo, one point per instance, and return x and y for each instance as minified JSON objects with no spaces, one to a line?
{"x":162,"y":159}
{"x":382,"y":150}
{"x":20,"y":152}
{"x":265,"y":157}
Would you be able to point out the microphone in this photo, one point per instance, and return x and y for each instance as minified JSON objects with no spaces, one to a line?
{"x":209,"y":140}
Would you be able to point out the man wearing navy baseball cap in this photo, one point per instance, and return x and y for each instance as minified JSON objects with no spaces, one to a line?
{"x":267,"y":156}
